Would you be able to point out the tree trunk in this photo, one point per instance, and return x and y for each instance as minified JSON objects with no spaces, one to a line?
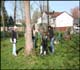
{"x":48,"y":11}
{"x":15,"y":12}
{"x":28,"y":33}
{"x":22,"y":11}
{"x":2,"y":19}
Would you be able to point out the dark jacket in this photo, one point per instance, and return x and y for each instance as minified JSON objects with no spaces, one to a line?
{"x":51,"y":33}
{"x":14,"y":35}
{"x":44,"y":42}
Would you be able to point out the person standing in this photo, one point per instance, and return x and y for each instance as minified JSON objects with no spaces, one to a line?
{"x":44,"y":43}
{"x":51,"y":36}
{"x":33,"y":35}
{"x":14,"y":40}
{"x":38,"y":41}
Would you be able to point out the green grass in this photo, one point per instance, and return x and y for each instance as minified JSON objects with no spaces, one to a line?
{"x":66,"y":56}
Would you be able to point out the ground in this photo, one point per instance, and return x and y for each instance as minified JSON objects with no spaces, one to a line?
{"x":66,"y":56}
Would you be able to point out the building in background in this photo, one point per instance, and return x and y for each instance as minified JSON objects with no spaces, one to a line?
{"x":59,"y":20}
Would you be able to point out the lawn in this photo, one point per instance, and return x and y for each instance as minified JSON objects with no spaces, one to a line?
{"x":66,"y":56}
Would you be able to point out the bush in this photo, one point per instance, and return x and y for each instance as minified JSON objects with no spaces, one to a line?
{"x":6,"y":34}
{"x":20,"y":34}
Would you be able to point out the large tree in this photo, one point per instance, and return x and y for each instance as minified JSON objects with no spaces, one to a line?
{"x":15,"y":12}
{"x":75,"y":12}
{"x":35,"y":16}
{"x":28,"y":34}
{"x":76,"y":15}
{"x":3,"y":14}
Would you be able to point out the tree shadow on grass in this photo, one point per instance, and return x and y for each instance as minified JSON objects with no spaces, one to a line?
{"x":19,"y":50}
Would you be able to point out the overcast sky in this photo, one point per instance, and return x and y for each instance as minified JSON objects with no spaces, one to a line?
{"x":53,"y":5}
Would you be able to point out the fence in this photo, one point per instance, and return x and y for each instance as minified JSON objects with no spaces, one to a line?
{"x":18,"y":29}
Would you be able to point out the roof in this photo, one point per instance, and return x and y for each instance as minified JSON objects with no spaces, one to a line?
{"x":53,"y":14}
{"x":56,"y":14}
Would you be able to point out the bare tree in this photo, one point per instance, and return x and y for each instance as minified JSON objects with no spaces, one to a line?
{"x":22,"y":12}
{"x":21,"y":8}
{"x":35,"y":16}
{"x":75,"y":12}
{"x":2,"y":19}
{"x":28,"y":33}
{"x":48,"y":11}
{"x":45,"y":8}
{"x":15,"y":12}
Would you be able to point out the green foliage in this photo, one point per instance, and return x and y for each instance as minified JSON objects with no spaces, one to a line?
{"x":8,"y":34}
{"x":38,"y":40}
{"x":66,"y":56}
{"x":48,"y":43}
{"x":20,"y":34}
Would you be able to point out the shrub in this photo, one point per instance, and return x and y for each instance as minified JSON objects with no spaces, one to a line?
{"x":7,"y":34}
{"x":20,"y":34}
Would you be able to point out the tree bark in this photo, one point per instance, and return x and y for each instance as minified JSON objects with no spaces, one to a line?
{"x":48,"y":11}
{"x":15,"y":12}
{"x":28,"y":33}
{"x":2,"y":19}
